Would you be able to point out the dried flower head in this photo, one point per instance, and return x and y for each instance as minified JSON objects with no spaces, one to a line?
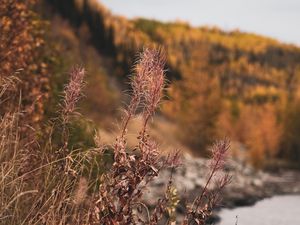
{"x":73,"y":90}
{"x":219,"y":152}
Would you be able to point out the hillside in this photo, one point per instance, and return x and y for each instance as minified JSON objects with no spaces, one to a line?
{"x":231,"y":84}
{"x":224,"y":53}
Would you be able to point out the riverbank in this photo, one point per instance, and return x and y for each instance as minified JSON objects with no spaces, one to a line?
{"x":247,"y":187}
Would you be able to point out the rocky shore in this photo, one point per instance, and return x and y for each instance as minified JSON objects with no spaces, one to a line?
{"x":248,"y":185}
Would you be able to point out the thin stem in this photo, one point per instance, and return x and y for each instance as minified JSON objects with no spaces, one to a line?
{"x":207,"y":183}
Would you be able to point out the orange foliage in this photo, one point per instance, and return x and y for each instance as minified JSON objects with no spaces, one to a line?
{"x":259,"y":129}
{"x":196,"y":106}
{"x":20,"y":55}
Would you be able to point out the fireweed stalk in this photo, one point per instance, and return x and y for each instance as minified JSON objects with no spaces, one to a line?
{"x":122,"y":188}
{"x":72,"y":94}
{"x":203,"y":205}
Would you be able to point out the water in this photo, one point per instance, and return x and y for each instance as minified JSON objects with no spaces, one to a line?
{"x":278,"y":210}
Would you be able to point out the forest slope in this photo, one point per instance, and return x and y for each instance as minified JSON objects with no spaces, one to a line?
{"x":232,"y":84}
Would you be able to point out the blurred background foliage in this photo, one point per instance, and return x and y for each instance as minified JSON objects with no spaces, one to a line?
{"x":234,"y":84}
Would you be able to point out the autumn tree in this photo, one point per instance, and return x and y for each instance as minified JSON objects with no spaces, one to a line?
{"x":196,"y":105}
{"x":291,"y":131}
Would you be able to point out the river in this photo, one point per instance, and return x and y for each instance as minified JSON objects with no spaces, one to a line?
{"x":278,"y":210}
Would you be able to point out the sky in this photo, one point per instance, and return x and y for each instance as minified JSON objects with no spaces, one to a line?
{"x":279,"y":19}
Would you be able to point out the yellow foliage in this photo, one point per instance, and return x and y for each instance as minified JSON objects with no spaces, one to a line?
{"x":258,"y":127}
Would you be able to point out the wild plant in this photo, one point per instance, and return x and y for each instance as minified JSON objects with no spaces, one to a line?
{"x":119,"y":200}
{"x":72,"y":186}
